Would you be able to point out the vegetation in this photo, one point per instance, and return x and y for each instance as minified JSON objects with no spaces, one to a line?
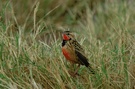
{"x":30,"y":43}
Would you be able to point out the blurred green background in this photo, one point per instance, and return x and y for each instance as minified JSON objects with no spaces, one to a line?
{"x":70,"y":14}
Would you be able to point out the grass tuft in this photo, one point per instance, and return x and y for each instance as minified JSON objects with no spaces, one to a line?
{"x":30,"y":44}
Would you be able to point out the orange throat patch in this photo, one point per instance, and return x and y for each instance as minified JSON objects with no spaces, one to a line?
{"x":65,"y":37}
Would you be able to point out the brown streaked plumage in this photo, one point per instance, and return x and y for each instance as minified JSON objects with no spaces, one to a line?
{"x":73,"y":51}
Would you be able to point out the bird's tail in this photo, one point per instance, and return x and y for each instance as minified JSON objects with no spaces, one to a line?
{"x":91,"y":69}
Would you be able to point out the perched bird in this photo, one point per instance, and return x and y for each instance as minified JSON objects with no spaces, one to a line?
{"x":74,"y":52}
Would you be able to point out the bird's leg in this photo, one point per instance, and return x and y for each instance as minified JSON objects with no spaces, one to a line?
{"x":73,"y":74}
{"x":77,"y":69}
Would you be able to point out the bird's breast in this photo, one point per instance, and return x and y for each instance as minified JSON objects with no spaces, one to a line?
{"x":69,"y":54}
{"x":66,"y":53}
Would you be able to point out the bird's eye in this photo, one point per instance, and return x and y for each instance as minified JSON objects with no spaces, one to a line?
{"x":67,"y":33}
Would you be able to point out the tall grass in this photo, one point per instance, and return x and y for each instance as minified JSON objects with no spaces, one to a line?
{"x":30,"y":44}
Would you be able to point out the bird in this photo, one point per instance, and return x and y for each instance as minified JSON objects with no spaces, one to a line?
{"x":74,"y":52}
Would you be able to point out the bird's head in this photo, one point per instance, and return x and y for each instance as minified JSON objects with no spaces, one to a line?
{"x":67,"y":35}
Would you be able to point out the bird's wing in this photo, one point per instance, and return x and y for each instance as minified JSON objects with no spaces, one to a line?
{"x":82,"y":58}
{"x":80,"y":54}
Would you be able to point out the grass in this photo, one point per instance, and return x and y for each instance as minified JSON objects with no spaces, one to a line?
{"x":30,"y":44}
